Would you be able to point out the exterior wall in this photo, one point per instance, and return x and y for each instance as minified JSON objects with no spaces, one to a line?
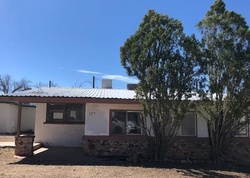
{"x":97,"y":116}
{"x":4,"y":115}
{"x":67,"y":135}
{"x":198,"y":149}
{"x":70,"y":135}
{"x":98,"y":142}
{"x":12,"y":120}
{"x":95,"y":139}
{"x":126,"y":148}
{"x":194,"y":148}
{"x":9,"y":114}
{"x":184,"y":149}
{"x":28,"y":118}
{"x":97,"y":119}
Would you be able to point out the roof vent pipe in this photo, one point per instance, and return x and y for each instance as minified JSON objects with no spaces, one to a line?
{"x":93,"y":81}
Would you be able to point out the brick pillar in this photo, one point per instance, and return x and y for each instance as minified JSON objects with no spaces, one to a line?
{"x":24,"y":145}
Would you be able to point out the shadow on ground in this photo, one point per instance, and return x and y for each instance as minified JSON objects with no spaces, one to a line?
{"x":75,"y":156}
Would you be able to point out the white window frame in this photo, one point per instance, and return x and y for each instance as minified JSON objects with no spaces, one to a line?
{"x":247,"y":129}
{"x":126,"y":122}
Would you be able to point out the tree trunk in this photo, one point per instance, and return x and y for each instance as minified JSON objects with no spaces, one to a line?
{"x":215,"y":156}
{"x":214,"y":143}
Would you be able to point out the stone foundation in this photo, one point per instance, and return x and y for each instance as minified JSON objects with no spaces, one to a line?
{"x":184,"y":148}
{"x":239,"y":151}
{"x":24,"y":145}
{"x":198,"y":149}
{"x":192,"y":148}
{"x":115,"y":147}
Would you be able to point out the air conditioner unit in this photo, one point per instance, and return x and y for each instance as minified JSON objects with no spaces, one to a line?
{"x":107,"y":83}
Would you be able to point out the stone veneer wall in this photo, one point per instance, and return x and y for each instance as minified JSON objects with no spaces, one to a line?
{"x":239,"y":151}
{"x":198,"y":149}
{"x":191,"y":148}
{"x":115,"y":147}
{"x":24,"y":145}
{"x":184,"y":148}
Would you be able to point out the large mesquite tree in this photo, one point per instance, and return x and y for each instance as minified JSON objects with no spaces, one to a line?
{"x":225,"y":88}
{"x":160,"y":55}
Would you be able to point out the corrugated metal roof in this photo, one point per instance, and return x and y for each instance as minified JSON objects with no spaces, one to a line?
{"x":92,"y":93}
{"x":76,"y":93}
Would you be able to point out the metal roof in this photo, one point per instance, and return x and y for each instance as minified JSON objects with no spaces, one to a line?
{"x":54,"y":93}
{"x":76,"y":93}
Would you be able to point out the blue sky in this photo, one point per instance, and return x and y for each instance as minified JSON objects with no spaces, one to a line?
{"x":70,"y":41}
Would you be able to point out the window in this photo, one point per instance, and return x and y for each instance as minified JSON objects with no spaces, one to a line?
{"x":244,"y":131}
{"x":126,"y":122}
{"x":65,"y":113}
{"x":188,"y":125}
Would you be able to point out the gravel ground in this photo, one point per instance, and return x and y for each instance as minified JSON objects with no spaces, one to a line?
{"x":66,"y":162}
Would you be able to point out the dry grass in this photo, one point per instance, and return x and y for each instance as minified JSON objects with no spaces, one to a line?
{"x":53,"y":164}
{"x":13,"y":167}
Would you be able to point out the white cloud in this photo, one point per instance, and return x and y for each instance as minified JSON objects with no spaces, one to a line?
{"x":120,"y":78}
{"x":89,"y":72}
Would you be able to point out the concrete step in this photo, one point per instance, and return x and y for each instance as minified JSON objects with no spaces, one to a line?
{"x":36,"y":146}
{"x":40,"y":150}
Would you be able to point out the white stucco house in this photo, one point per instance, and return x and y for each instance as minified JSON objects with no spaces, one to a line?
{"x":102,"y":121}
{"x":64,"y":115}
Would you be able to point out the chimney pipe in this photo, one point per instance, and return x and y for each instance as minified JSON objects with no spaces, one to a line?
{"x":50,"y":83}
{"x":93,"y":81}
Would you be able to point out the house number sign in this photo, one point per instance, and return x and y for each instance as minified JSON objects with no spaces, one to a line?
{"x":91,"y":113}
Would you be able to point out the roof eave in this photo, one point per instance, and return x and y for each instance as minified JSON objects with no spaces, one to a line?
{"x":33,"y":99}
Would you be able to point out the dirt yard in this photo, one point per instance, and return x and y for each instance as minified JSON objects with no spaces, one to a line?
{"x":47,"y":166}
{"x":63,"y":162}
